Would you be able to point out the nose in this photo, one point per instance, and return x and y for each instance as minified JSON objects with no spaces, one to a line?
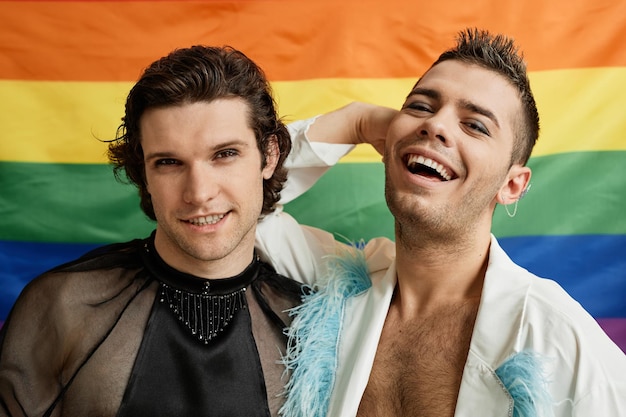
{"x":199,"y":185}
{"x":437,"y":127}
{"x":425,"y":133}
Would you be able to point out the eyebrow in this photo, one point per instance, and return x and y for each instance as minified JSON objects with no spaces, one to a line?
{"x":430,"y":93}
{"x":158,"y":155}
{"x":217,"y":147}
{"x":473,"y":107}
{"x":465,"y":104}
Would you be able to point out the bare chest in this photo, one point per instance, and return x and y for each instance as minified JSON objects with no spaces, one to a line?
{"x":418,"y":366}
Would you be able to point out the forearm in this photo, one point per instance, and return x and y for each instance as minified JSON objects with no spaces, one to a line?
{"x":299,"y":251}
{"x":353,"y":124}
{"x":318,"y":143}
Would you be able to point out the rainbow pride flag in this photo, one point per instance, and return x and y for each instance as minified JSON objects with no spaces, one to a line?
{"x":66,"y":67}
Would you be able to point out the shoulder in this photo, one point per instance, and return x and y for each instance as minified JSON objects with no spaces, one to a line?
{"x":556,"y":326}
{"x":521,"y":312}
{"x":565,"y":321}
{"x":508,"y":287}
{"x":586,"y":365}
{"x":281,"y":284}
{"x":90,"y":280}
{"x":543,"y":309}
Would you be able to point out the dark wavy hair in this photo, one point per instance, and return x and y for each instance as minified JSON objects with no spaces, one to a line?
{"x":195,"y":74}
{"x":499,"y":53}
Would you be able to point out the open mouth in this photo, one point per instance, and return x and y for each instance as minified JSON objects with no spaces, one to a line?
{"x":426,"y":167}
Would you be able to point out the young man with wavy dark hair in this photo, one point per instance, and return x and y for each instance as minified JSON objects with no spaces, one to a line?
{"x":189,"y":321}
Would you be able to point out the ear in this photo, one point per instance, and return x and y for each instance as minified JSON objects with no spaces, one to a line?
{"x":271,"y":157}
{"x":517,"y":180}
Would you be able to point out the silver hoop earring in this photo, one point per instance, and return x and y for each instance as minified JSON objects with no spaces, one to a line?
{"x":506,"y":207}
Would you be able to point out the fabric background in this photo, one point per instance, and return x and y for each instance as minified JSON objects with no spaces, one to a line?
{"x":66,"y":67}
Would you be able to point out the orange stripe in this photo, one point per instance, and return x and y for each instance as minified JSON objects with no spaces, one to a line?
{"x":113,"y":41}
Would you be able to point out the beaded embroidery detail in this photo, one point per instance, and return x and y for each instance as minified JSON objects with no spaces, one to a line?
{"x":204,"y":315}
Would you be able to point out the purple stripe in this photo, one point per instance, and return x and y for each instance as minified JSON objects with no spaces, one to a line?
{"x":616,"y":329}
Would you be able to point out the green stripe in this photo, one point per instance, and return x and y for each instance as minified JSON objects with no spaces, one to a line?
{"x":349,"y":201}
{"x":67,"y":203}
{"x":572,"y":194}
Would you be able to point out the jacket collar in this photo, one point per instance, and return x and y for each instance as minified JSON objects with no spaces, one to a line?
{"x":482,"y":391}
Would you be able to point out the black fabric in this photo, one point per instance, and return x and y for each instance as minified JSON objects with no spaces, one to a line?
{"x":224,"y":377}
{"x":92,"y":337}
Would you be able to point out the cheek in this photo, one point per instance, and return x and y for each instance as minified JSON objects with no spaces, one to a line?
{"x":404,"y":125}
{"x":159,"y":190}
{"x":480,"y":157}
{"x":401,"y":132}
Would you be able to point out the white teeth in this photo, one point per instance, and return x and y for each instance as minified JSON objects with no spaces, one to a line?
{"x":419,"y":159}
{"x":201,"y":221}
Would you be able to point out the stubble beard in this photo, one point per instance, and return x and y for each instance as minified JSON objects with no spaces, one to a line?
{"x":201,"y":250}
{"x":421,"y":225}
{"x":415,"y":226}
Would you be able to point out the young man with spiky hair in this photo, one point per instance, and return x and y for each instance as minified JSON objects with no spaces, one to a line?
{"x":452,"y":327}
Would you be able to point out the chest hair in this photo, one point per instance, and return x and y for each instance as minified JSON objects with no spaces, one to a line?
{"x":419,"y":364}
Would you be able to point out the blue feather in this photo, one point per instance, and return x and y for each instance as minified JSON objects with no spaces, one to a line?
{"x":311,"y":356}
{"x":523,"y":376}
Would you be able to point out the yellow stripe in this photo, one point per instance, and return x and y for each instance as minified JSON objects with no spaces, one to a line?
{"x":58,"y":122}
{"x":580,"y":110}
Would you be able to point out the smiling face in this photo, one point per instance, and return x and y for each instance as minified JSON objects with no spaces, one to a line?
{"x":448,"y":152}
{"x":204,"y":176}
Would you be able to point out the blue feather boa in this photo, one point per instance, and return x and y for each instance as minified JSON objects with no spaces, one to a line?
{"x":523,"y":376}
{"x":311,"y":357}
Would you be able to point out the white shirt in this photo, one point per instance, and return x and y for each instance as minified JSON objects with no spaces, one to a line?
{"x":518,"y":312}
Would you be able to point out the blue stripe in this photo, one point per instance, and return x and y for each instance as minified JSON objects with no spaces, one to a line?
{"x":591,"y":268}
{"x":22,"y":261}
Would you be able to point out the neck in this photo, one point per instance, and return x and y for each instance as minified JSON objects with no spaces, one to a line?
{"x":434,"y":272}
{"x":215,"y":263}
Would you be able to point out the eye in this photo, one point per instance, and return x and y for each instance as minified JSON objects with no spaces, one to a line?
{"x":419,"y":106}
{"x":166,"y":161}
{"x":226,"y":153}
{"x":477,"y":126}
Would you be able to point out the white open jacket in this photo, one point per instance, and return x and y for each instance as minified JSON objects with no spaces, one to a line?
{"x":518,"y":312}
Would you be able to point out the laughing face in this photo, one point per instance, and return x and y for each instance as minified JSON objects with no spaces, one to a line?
{"x":204,"y":176}
{"x":448,"y":152}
